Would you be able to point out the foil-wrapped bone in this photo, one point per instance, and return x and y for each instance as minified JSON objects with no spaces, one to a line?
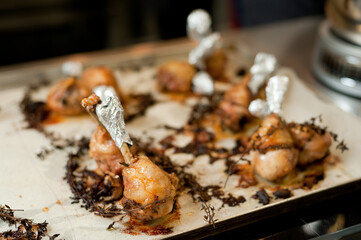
{"x":275,"y":92}
{"x":110,"y":114}
{"x":259,"y":108}
{"x":203,"y":83}
{"x":264,"y":65}
{"x":205,"y":48}
{"x":72,"y":68}
{"x":199,"y":29}
{"x":198,"y":24}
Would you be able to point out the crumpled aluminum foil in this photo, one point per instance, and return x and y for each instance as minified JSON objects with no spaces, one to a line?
{"x":110,"y":114}
{"x":198,"y":24}
{"x":275,"y":92}
{"x":72,"y":68}
{"x":259,"y":108}
{"x":205,"y":48}
{"x":264,"y":64}
{"x":203,"y":83}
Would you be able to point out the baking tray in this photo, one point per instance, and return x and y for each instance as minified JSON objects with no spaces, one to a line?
{"x":32,"y":184}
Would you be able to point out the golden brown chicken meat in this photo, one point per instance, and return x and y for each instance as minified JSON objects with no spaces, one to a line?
{"x":216,"y":64}
{"x":102,"y":147}
{"x":175,"y":76}
{"x":149,"y":192}
{"x":96,"y":76}
{"x":272,"y":149}
{"x":233,"y":109}
{"x":64,"y":96}
{"x":312,"y":142}
{"x":104,"y":151}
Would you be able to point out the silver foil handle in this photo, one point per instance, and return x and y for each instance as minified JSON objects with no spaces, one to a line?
{"x":275,"y":92}
{"x":205,"y":48}
{"x":198,"y":24}
{"x":203,"y":83}
{"x":199,"y":29}
{"x":110,"y":114}
{"x":264,"y":65}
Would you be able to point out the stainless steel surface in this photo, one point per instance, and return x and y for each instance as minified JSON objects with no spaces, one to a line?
{"x":292,"y":42}
{"x":345,"y":18}
{"x":337,"y":63}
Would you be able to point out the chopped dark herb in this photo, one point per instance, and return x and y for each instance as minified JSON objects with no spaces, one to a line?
{"x":262,"y":197}
{"x":312,"y":178}
{"x":232,"y":201}
{"x":210,"y":213}
{"x":342,"y":146}
{"x":241,"y":72}
{"x":94,"y":197}
{"x":27,"y":229}
{"x":282,"y":193}
{"x":34,"y":112}
{"x":111,"y":226}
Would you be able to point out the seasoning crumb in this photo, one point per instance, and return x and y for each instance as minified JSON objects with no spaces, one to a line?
{"x":20,"y":196}
{"x":58,"y":202}
{"x":282,"y":193}
{"x":45,"y":209}
{"x":111,"y":227}
{"x":26,"y":228}
{"x":241,"y":72}
{"x":262,"y":197}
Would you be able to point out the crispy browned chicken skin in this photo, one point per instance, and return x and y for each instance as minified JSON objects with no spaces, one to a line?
{"x":175,"y":76}
{"x":64,"y":96}
{"x":216,"y":64}
{"x":233,"y":109}
{"x":312,"y":142}
{"x":96,"y":76}
{"x":104,"y":151}
{"x":149,"y":192}
{"x":272,"y":152}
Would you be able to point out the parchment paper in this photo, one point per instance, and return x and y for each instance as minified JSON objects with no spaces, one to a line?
{"x":28,"y":183}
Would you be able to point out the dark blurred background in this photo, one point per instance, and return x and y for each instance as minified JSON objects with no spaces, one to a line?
{"x":38,"y":29}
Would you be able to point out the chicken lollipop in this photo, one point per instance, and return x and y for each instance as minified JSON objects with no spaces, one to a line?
{"x":65,"y":95}
{"x":149,"y":192}
{"x":205,"y":63}
{"x":233,"y":109}
{"x":272,"y":150}
{"x":208,"y":55}
{"x":175,"y":76}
